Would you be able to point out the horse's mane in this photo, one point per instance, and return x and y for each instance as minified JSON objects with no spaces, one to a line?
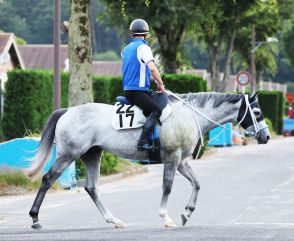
{"x":201,"y":98}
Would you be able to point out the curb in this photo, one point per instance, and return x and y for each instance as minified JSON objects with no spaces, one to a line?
{"x":112,"y":178}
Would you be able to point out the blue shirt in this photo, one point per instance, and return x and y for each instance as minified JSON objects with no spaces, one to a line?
{"x":136,"y":74}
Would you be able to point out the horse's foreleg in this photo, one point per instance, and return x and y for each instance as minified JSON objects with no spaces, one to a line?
{"x":92,"y":163}
{"x":47,"y":181}
{"x":185,"y":169}
{"x":170,"y":167}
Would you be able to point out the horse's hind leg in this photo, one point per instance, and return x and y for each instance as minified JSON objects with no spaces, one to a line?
{"x":185,"y":169}
{"x":92,"y":163}
{"x":48,"y":179}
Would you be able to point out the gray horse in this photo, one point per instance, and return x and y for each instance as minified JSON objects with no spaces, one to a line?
{"x":85,"y":131}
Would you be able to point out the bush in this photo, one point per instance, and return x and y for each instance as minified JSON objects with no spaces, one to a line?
{"x":109,"y":163}
{"x":272,"y":106}
{"x":17,"y":178}
{"x":269,"y":123}
{"x":64,"y":78}
{"x":2,"y":138}
{"x":184,"y":83}
{"x":101,"y":86}
{"x":28,"y":102}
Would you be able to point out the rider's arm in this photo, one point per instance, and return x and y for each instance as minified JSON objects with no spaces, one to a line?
{"x":146,"y":56}
{"x":155,"y":74}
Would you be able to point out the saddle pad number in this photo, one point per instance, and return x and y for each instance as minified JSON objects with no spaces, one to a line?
{"x":128,"y":112}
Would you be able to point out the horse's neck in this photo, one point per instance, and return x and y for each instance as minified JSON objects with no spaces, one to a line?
{"x":223,"y":113}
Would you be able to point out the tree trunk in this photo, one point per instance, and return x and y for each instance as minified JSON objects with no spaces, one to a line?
{"x":92,"y":19}
{"x":168,"y":54}
{"x":227,"y":71}
{"x":213,"y":53}
{"x":169,"y":44}
{"x":80,"y":54}
{"x":252,"y":60}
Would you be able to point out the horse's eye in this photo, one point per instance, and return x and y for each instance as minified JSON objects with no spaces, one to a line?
{"x":256,"y":111}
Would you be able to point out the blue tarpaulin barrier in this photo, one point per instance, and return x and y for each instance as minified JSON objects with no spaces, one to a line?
{"x":288,"y":124}
{"x":221,"y":137}
{"x":15,"y":154}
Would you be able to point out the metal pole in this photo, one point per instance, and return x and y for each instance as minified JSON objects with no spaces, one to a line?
{"x":252,"y":60}
{"x":56,"y":92}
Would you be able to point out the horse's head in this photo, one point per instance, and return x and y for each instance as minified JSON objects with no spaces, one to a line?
{"x":251,"y":119}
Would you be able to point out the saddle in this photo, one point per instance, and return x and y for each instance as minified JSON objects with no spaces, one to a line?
{"x":128,"y":116}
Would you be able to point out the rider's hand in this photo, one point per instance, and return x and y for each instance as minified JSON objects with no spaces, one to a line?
{"x":160,"y":88}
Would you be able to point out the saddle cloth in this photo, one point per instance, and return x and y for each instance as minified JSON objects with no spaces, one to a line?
{"x":130,"y":116}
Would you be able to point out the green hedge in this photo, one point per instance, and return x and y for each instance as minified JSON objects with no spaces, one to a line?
{"x":272,"y":106}
{"x":27,"y":104}
{"x":29,"y":101}
{"x":107,"y":88}
{"x":184,"y":83}
{"x":29,"y":96}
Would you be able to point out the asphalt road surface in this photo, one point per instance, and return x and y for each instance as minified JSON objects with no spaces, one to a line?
{"x":247,"y":193}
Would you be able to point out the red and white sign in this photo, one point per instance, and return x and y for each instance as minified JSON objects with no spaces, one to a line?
{"x":243,"y":78}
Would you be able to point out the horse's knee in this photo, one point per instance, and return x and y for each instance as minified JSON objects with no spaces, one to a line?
{"x":167,"y":187}
{"x":46,"y":181}
{"x":91,"y":191}
{"x":196,"y":186}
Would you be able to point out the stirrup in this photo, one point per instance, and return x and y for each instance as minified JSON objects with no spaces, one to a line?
{"x":143,"y":147}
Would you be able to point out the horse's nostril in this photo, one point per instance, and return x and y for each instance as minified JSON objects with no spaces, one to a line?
{"x":268,"y":137}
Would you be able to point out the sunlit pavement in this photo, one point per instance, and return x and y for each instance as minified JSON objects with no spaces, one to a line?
{"x":247,"y":193}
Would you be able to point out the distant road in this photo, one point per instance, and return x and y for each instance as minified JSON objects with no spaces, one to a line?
{"x":247,"y":193}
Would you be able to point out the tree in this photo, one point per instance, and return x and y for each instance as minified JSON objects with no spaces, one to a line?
{"x":31,"y":20}
{"x":219,"y":21}
{"x":167,"y":18}
{"x":268,"y":18}
{"x":80,"y":54}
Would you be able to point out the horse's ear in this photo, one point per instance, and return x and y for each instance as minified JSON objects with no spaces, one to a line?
{"x":253,"y":96}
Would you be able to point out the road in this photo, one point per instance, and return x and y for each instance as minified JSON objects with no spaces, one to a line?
{"x":247,"y":193}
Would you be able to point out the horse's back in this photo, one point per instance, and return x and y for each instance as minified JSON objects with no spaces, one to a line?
{"x":82,"y":124}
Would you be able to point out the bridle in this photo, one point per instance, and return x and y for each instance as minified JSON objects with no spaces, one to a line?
{"x":242,"y":118}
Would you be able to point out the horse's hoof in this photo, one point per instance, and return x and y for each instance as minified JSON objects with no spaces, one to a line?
{"x":170,"y":225}
{"x":36,"y":226}
{"x":120,"y":225}
{"x":184,"y":219}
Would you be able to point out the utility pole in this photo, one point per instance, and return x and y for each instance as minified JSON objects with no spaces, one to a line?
{"x":252,"y":60}
{"x":56,"y":89}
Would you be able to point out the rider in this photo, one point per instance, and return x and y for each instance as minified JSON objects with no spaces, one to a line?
{"x":138,"y":64}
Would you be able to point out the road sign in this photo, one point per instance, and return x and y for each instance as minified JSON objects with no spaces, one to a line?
{"x":243,"y":78}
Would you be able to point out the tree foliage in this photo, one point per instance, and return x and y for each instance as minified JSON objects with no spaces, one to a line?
{"x":219,"y":22}
{"x":167,"y":18}
{"x":31,"y":20}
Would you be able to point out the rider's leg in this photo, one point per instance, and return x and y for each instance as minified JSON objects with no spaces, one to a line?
{"x":151,"y":108}
{"x":151,"y":121}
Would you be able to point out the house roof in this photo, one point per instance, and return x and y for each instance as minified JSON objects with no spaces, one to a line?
{"x":4,"y":37}
{"x":39,"y":56}
{"x":107,"y":68}
{"x":8,"y":44}
{"x":42,"y":57}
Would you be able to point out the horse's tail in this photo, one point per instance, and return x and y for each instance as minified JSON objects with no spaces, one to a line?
{"x":45,"y":146}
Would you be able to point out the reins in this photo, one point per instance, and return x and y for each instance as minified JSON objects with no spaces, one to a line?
{"x":248,"y":107}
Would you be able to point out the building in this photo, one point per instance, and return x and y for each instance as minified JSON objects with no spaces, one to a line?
{"x":37,"y":56}
{"x":10,"y":58}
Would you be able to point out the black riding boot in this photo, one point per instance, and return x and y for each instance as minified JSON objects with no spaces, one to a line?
{"x":143,"y":144}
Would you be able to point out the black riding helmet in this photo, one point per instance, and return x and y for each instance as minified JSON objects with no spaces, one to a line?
{"x":139,"y":27}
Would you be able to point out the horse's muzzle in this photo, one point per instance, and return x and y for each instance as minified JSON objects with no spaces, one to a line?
{"x":263,"y":136}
